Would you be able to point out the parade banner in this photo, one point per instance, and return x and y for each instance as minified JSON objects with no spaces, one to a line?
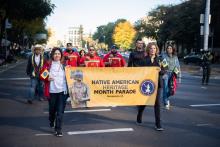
{"x":104,"y":86}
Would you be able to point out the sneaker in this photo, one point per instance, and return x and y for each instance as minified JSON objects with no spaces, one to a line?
{"x":159,"y":128}
{"x":29,"y":102}
{"x":41,"y":99}
{"x":59,"y":134}
{"x":167,"y":107}
{"x":139,"y":122}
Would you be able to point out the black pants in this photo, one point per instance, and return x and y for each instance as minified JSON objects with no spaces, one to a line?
{"x":56,"y":109}
{"x":156,"y":110}
{"x":206,"y":74}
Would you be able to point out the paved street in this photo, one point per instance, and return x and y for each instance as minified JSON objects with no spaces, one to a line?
{"x":190,"y":122}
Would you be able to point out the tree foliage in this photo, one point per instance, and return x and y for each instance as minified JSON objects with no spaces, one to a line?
{"x":27,"y":17}
{"x":124,"y":35}
{"x":104,"y":32}
{"x":179,"y":23}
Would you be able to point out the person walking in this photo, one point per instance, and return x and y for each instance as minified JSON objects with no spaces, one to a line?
{"x":153,"y":60}
{"x":92,"y":60}
{"x":34,"y":65}
{"x":114,"y":58}
{"x":71,"y":57}
{"x":137,"y":57}
{"x":57,"y":90}
{"x":82,"y":56}
{"x":206,"y":67}
{"x":173,"y":65}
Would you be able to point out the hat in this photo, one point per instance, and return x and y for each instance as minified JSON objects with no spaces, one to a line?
{"x":114,"y":47}
{"x":37,"y":46}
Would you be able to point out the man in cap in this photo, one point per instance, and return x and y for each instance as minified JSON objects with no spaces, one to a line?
{"x":114,"y":58}
{"x":92,"y":60}
{"x":71,"y":57}
{"x":34,"y":65}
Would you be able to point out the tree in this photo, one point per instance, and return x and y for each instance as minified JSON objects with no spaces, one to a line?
{"x":179,"y":23}
{"x":124,"y":35}
{"x":150,"y":26}
{"x":21,"y":12}
{"x":104,"y":32}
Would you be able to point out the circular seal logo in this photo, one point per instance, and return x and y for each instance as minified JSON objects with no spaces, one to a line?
{"x":147,"y":87}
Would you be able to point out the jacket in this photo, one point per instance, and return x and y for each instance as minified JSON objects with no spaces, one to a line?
{"x":32,"y":70}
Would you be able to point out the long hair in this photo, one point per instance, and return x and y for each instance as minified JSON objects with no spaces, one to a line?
{"x":173,"y":49}
{"x":53,"y":52}
{"x":80,"y":52}
{"x":149,"y":45}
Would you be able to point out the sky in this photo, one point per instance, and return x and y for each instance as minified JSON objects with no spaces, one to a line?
{"x":93,"y":13}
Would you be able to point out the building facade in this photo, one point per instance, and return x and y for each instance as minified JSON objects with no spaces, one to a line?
{"x":74,"y":36}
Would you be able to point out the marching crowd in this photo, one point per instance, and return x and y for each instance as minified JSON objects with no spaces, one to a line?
{"x":47,"y":77}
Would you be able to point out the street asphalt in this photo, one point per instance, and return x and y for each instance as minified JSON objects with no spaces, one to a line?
{"x":192,"y":121}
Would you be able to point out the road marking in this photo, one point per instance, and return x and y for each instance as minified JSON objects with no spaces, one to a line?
{"x":204,"y":87}
{"x":204,"y":105}
{"x":12,"y":66}
{"x":11,"y":79}
{"x":101,"y":131}
{"x":200,"y":125}
{"x":43,"y":134}
{"x":94,"y":110}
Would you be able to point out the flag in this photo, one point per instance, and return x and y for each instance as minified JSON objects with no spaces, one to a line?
{"x":176,"y":70}
{"x":164,"y":63}
{"x":44,"y":74}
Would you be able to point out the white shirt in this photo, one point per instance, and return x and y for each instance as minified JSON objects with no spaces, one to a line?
{"x":58,"y":74}
{"x":37,"y":59}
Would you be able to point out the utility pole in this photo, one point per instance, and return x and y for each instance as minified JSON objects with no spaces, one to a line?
{"x":206,"y":26}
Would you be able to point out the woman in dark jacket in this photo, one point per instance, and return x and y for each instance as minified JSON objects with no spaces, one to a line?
{"x":153,"y":60}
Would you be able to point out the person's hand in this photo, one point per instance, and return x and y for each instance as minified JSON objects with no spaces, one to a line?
{"x":87,"y":58}
{"x":76,"y":101}
{"x":50,"y":79}
{"x":66,"y":57}
{"x":82,"y":65}
{"x":107,"y":63}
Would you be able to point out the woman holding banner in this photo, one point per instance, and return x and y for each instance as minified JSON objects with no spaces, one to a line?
{"x":153,"y":60}
{"x":54,"y":73}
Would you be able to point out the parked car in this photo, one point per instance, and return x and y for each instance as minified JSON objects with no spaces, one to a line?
{"x":193,"y":58}
{"x":26,"y":53}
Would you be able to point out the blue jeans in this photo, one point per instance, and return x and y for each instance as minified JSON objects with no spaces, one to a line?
{"x":166,"y":78}
{"x":36,"y":84}
{"x":57,"y":104}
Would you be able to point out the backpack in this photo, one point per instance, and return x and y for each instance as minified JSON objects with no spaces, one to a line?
{"x":172,"y":84}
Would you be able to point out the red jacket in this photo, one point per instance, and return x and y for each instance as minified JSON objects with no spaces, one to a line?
{"x":72,"y":58}
{"x":95,"y":61}
{"x":115,"y":60}
{"x":82,"y":60}
{"x":46,"y":66}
